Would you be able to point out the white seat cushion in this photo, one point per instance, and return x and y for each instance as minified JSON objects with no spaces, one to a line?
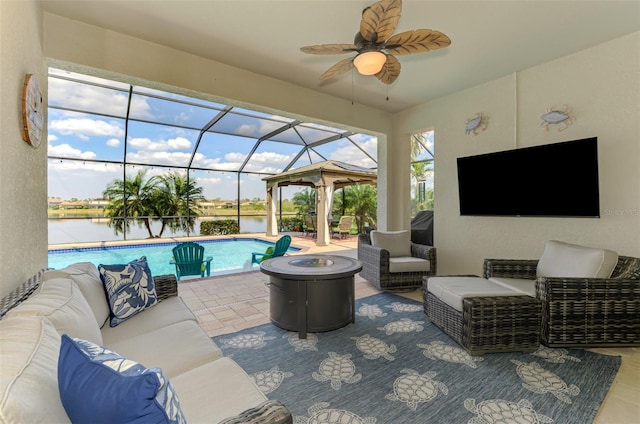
{"x":408,"y":264}
{"x":206,"y":395}
{"x":29,"y":350}
{"x":452,"y":290}
{"x":166,"y":312}
{"x":62,"y":302}
{"x":561,"y":259}
{"x":521,"y":285}
{"x":398,"y":243}
{"x":175,"y":348}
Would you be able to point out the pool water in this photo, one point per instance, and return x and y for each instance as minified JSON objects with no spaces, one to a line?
{"x":229,"y":256}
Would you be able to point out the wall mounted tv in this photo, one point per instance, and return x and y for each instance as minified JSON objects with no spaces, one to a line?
{"x":559,"y":179}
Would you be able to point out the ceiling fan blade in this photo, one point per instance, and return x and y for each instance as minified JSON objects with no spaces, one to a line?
{"x":420,"y":40}
{"x":329,"y":49}
{"x":380,"y":20}
{"x":389,"y":71}
{"x":339,"y":68}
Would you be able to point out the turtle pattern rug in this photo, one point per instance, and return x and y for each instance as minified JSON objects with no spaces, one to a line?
{"x":394,"y":366}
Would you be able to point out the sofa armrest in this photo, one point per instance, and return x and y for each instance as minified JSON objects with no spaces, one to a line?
{"x":21,"y":293}
{"x":510,"y":268}
{"x":600,"y":290}
{"x":372,"y":255}
{"x":166,"y":286}
{"x":589,"y":311}
{"x":268,"y":412}
{"x":427,"y":252}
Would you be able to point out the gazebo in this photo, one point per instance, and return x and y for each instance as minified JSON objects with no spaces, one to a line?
{"x":326,"y":177}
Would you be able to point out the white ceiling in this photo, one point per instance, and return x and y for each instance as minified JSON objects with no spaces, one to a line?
{"x":489,"y":39}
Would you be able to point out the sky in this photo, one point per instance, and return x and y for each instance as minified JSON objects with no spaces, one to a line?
{"x":163,"y":133}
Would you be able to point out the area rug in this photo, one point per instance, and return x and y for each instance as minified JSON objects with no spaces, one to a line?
{"x":394,"y":366}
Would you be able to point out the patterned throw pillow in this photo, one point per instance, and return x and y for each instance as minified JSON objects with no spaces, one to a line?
{"x":129,"y":289}
{"x":98,"y":386}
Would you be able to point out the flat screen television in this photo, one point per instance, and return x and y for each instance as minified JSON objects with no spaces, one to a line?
{"x":559,"y":179}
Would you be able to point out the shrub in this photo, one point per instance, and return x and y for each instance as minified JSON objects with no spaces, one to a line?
{"x":219,"y":227}
{"x":294,"y":223}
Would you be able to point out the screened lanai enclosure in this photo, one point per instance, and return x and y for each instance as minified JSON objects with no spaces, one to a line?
{"x":127,"y":161}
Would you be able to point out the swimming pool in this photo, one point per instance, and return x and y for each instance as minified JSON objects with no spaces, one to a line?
{"x":229,"y":255}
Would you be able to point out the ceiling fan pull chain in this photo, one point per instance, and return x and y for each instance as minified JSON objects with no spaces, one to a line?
{"x":352,"y":87}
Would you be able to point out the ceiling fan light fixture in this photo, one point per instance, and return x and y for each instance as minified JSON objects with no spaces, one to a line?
{"x":370,"y":63}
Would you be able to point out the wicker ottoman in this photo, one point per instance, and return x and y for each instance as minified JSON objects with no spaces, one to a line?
{"x":486,"y":318}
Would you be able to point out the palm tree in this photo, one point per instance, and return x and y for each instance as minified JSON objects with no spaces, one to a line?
{"x":138,"y":205}
{"x":362,"y":199}
{"x":168,"y":198}
{"x":305,"y":201}
{"x":419,"y":171}
{"x":175,"y":200}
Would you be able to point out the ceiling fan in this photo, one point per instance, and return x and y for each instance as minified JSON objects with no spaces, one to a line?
{"x":376,"y":46}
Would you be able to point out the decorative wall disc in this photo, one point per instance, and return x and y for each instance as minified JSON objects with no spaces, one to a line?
{"x":32,"y":111}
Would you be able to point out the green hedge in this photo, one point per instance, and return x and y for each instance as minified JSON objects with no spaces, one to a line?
{"x":295,"y":223}
{"x":219,"y":227}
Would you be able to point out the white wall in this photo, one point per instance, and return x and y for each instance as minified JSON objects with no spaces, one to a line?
{"x":23,"y":174}
{"x":602,"y":85}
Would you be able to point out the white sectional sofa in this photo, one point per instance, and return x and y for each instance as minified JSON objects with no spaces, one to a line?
{"x":166,"y":336}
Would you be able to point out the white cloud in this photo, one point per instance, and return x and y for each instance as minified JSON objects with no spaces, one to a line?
{"x":69,"y":179}
{"x":265,"y":127}
{"x":267,"y":169}
{"x":141,"y":108}
{"x":181,"y":118}
{"x":65,"y":150}
{"x":247,"y":130}
{"x":268,"y":162}
{"x":86,"y":127}
{"x":230,"y":162}
{"x":271,"y":158}
{"x":208,"y":180}
{"x":148,"y":145}
{"x":113,"y":142}
{"x":235,"y":157}
{"x":52,"y":137}
{"x":162,"y":157}
{"x":349,"y":153}
{"x":368,"y":143}
{"x":228,"y":166}
{"x":93,"y":98}
{"x":269,"y":126}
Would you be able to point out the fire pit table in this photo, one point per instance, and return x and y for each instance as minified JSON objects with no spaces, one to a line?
{"x":311,"y":293}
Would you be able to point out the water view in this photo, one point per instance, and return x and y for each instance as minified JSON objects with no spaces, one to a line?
{"x":62,"y":231}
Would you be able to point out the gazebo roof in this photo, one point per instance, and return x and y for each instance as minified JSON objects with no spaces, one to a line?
{"x":325,"y":173}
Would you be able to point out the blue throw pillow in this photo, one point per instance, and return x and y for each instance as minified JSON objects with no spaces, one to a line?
{"x":129,"y":289}
{"x":99,"y":386}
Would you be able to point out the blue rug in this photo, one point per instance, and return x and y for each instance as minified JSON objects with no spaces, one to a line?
{"x":394,"y":366}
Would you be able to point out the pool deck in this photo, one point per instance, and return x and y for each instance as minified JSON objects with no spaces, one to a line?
{"x":228,"y":303}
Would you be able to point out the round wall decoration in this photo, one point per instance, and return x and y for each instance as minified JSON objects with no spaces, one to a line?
{"x":32,"y":111}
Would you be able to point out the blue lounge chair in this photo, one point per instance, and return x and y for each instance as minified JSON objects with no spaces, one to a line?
{"x":281,"y":247}
{"x":189,"y":260}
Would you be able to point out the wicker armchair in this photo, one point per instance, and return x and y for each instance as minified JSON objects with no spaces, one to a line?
{"x":375,"y":265}
{"x":582,"y":312}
